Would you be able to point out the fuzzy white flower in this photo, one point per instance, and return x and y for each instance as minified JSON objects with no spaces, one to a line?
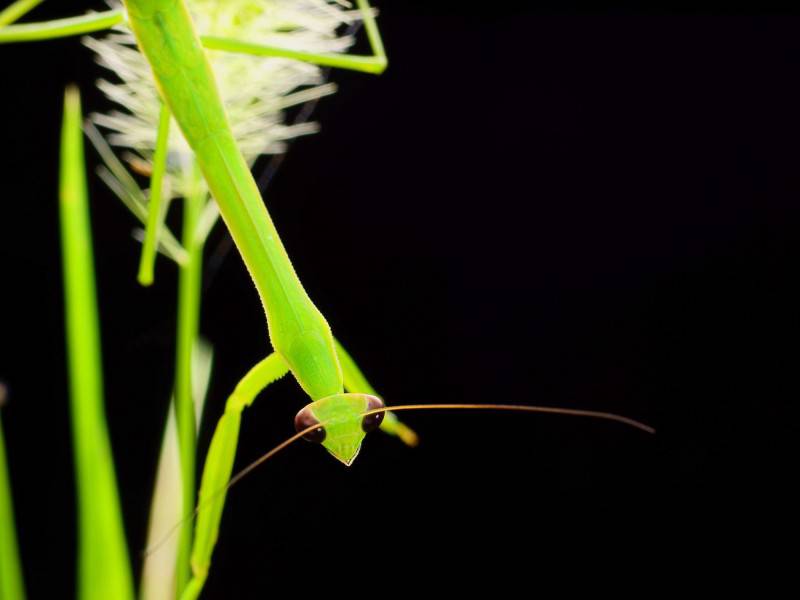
{"x":255,"y":90}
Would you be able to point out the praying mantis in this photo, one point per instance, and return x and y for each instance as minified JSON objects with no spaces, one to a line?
{"x":343,"y":406}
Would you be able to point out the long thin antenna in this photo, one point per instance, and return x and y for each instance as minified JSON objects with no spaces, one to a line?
{"x":554,"y":410}
{"x":206,"y":501}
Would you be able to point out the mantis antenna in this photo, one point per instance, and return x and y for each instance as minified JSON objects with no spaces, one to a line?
{"x":206,"y":501}
{"x":315,"y":427}
{"x":553,"y":410}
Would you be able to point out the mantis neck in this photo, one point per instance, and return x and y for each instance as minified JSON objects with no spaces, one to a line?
{"x":298,"y":331}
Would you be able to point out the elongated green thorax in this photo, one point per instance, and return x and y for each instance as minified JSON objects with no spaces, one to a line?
{"x":298,"y":331}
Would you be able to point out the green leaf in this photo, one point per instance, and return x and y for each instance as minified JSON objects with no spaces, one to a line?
{"x":11,"y":584}
{"x":103,"y":564}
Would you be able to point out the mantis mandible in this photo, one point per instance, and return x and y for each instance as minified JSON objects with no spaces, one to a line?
{"x":343,"y":407}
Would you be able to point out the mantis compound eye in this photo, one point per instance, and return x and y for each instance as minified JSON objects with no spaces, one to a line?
{"x":372,"y":422}
{"x":305,"y":419}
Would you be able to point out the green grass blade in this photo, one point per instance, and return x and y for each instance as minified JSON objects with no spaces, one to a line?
{"x":11,"y":583}
{"x":158,"y":574}
{"x":47,"y":30}
{"x":17,"y":10}
{"x":155,"y":215}
{"x":103,"y":564}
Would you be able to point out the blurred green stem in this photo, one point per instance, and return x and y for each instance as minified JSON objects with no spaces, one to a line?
{"x":11,"y":582}
{"x":189,"y":289}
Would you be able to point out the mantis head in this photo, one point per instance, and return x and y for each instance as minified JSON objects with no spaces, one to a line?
{"x":345,"y":424}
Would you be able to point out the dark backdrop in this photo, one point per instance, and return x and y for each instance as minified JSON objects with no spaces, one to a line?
{"x":594,"y":210}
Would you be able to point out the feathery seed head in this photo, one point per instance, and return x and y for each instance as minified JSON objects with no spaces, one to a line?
{"x":255,"y":90}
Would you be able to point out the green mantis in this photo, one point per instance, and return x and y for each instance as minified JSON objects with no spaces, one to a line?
{"x":343,"y":406}
{"x":300,"y":335}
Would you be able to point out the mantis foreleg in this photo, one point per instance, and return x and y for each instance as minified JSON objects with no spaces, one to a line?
{"x":155,"y":217}
{"x":219,"y":465}
{"x":222,"y":451}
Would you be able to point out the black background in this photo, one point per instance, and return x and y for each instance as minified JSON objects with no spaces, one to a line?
{"x":594,"y":209}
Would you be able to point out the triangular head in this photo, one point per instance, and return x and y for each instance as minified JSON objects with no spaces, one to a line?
{"x":342,"y":423}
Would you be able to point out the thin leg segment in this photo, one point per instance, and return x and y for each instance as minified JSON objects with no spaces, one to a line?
{"x":366,"y":64}
{"x":155,"y":216}
{"x":355,"y":382}
{"x":48,"y":30}
{"x":17,"y":10}
{"x":219,"y":466}
{"x":93,"y":22}
{"x":376,"y":63}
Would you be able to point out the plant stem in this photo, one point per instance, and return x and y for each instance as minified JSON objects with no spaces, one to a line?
{"x":189,"y":289}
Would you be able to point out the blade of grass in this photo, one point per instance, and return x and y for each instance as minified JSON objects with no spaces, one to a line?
{"x":103,"y":564}
{"x":11,"y":582}
{"x":158,"y":574}
{"x":17,"y":10}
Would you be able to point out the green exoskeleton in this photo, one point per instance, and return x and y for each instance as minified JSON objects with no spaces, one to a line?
{"x":298,"y":332}
{"x":301,"y":337}
{"x":343,"y":407}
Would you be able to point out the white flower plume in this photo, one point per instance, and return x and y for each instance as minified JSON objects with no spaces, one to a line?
{"x":255,"y":90}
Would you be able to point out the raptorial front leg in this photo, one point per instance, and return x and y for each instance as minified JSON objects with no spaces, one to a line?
{"x":219,"y":466}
